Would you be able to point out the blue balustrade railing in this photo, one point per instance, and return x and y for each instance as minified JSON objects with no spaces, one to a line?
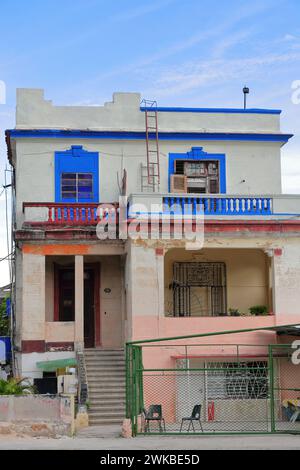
{"x":208,"y":205}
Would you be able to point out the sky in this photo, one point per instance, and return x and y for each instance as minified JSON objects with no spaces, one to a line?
{"x":180,"y":52}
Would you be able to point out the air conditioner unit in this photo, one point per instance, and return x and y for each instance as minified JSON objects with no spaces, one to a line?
{"x":178,"y":184}
{"x":196,"y":183}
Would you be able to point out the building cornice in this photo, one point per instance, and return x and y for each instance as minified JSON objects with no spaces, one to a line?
{"x":132,"y":135}
{"x":165,"y":109}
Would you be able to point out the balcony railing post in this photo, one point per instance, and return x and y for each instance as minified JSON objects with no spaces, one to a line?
{"x":50,"y":220}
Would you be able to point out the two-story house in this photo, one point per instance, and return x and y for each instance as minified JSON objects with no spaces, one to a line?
{"x":74,"y":289}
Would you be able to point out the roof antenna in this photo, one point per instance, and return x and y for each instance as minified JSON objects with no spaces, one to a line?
{"x":246,"y":91}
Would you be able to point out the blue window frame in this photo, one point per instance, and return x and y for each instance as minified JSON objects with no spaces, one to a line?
{"x":76,"y":175}
{"x":197,"y":153}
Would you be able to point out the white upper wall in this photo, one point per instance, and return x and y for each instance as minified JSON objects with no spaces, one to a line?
{"x":123,"y":113}
{"x":252,"y":166}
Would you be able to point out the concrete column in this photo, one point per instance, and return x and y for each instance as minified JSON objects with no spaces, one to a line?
{"x":270,"y":278}
{"x":286,"y":268}
{"x":79,"y":300}
{"x":33,"y":297}
{"x":145,"y":281}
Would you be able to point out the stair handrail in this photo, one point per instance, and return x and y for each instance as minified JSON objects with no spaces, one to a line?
{"x":83,"y":393}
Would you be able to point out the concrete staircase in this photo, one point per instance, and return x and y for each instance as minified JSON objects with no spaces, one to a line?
{"x":106,"y":385}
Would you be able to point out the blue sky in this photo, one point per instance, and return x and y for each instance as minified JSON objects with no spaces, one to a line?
{"x":179,"y":52}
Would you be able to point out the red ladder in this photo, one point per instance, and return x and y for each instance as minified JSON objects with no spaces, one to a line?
{"x":152,"y":145}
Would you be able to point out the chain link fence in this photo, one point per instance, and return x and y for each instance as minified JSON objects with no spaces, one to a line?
{"x":208,"y":389}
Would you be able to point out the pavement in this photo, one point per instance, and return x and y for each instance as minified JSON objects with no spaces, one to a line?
{"x":108,"y":438}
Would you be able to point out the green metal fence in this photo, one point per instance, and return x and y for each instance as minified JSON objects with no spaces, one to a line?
{"x":285,"y":389}
{"x":212,"y":388}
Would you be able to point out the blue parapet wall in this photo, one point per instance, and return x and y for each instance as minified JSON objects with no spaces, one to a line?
{"x":7,"y":343}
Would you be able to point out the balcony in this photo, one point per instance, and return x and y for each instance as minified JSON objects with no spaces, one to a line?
{"x":216,"y":205}
{"x":67,"y":215}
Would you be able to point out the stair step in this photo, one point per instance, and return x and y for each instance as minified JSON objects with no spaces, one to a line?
{"x":103,"y":397}
{"x":113,"y":379}
{"x":105,"y":363}
{"x":106,"y":367}
{"x":106,"y":373}
{"x":90,"y":363}
{"x":102,"y":378}
{"x":105,"y":389}
{"x":98,"y":377}
{"x":95,"y":400}
{"x":102,"y":353}
{"x":103,"y":409}
{"x":109,"y":387}
{"x":106,"y":414}
{"x":106,"y":401}
{"x":104,"y":359}
{"x":102,"y":422}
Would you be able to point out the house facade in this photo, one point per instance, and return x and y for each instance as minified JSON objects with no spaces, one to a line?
{"x":78,"y":289}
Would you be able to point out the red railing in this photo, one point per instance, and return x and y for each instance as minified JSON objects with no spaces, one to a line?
{"x":73,"y":214}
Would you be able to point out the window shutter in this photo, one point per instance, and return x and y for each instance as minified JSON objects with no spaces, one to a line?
{"x":178,"y":184}
{"x":213,"y":186}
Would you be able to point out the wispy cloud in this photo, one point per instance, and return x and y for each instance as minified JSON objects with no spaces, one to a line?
{"x":143,"y":10}
{"x":204,"y":36}
{"x":192,"y":75}
{"x":227,"y":43}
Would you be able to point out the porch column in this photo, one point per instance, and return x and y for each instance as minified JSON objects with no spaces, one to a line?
{"x":144,"y":290}
{"x":286,"y":266}
{"x":79,"y":300}
{"x":33,"y":297}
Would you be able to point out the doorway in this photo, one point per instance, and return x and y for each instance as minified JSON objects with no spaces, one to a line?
{"x":65,"y":300}
{"x":89,"y":308}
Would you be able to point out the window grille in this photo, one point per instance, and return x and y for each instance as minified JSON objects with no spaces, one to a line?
{"x":237,"y":380}
{"x":199,"y":289}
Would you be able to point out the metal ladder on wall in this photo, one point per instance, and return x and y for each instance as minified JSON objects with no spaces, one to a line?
{"x":150,"y":174}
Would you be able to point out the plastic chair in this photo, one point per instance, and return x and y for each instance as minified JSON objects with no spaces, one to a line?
{"x":195,"y":416}
{"x":154,"y":414}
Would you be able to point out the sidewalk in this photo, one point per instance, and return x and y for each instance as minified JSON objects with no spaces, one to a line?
{"x":108,"y":438}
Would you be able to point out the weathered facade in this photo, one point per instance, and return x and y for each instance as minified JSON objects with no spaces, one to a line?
{"x":74,"y":289}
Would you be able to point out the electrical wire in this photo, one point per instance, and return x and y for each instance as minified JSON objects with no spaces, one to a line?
{"x":7,"y":257}
{"x":11,"y":259}
{"x":102,"y":152}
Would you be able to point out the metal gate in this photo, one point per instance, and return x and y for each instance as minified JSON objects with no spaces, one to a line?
{"x":285,"y":389}
{"x":248,"y":389}
{"x":199,"y":288}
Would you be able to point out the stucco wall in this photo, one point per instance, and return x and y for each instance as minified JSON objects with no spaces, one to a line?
{"x":49,"y":279}
{"x":33,"y":314}
{"x":123,"y":113}
{"x":287,"y":280}
{"x":37,"y":415}
{"x":251,"y":167}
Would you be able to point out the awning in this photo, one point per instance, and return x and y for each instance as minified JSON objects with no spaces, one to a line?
{"x":52,"y":366}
